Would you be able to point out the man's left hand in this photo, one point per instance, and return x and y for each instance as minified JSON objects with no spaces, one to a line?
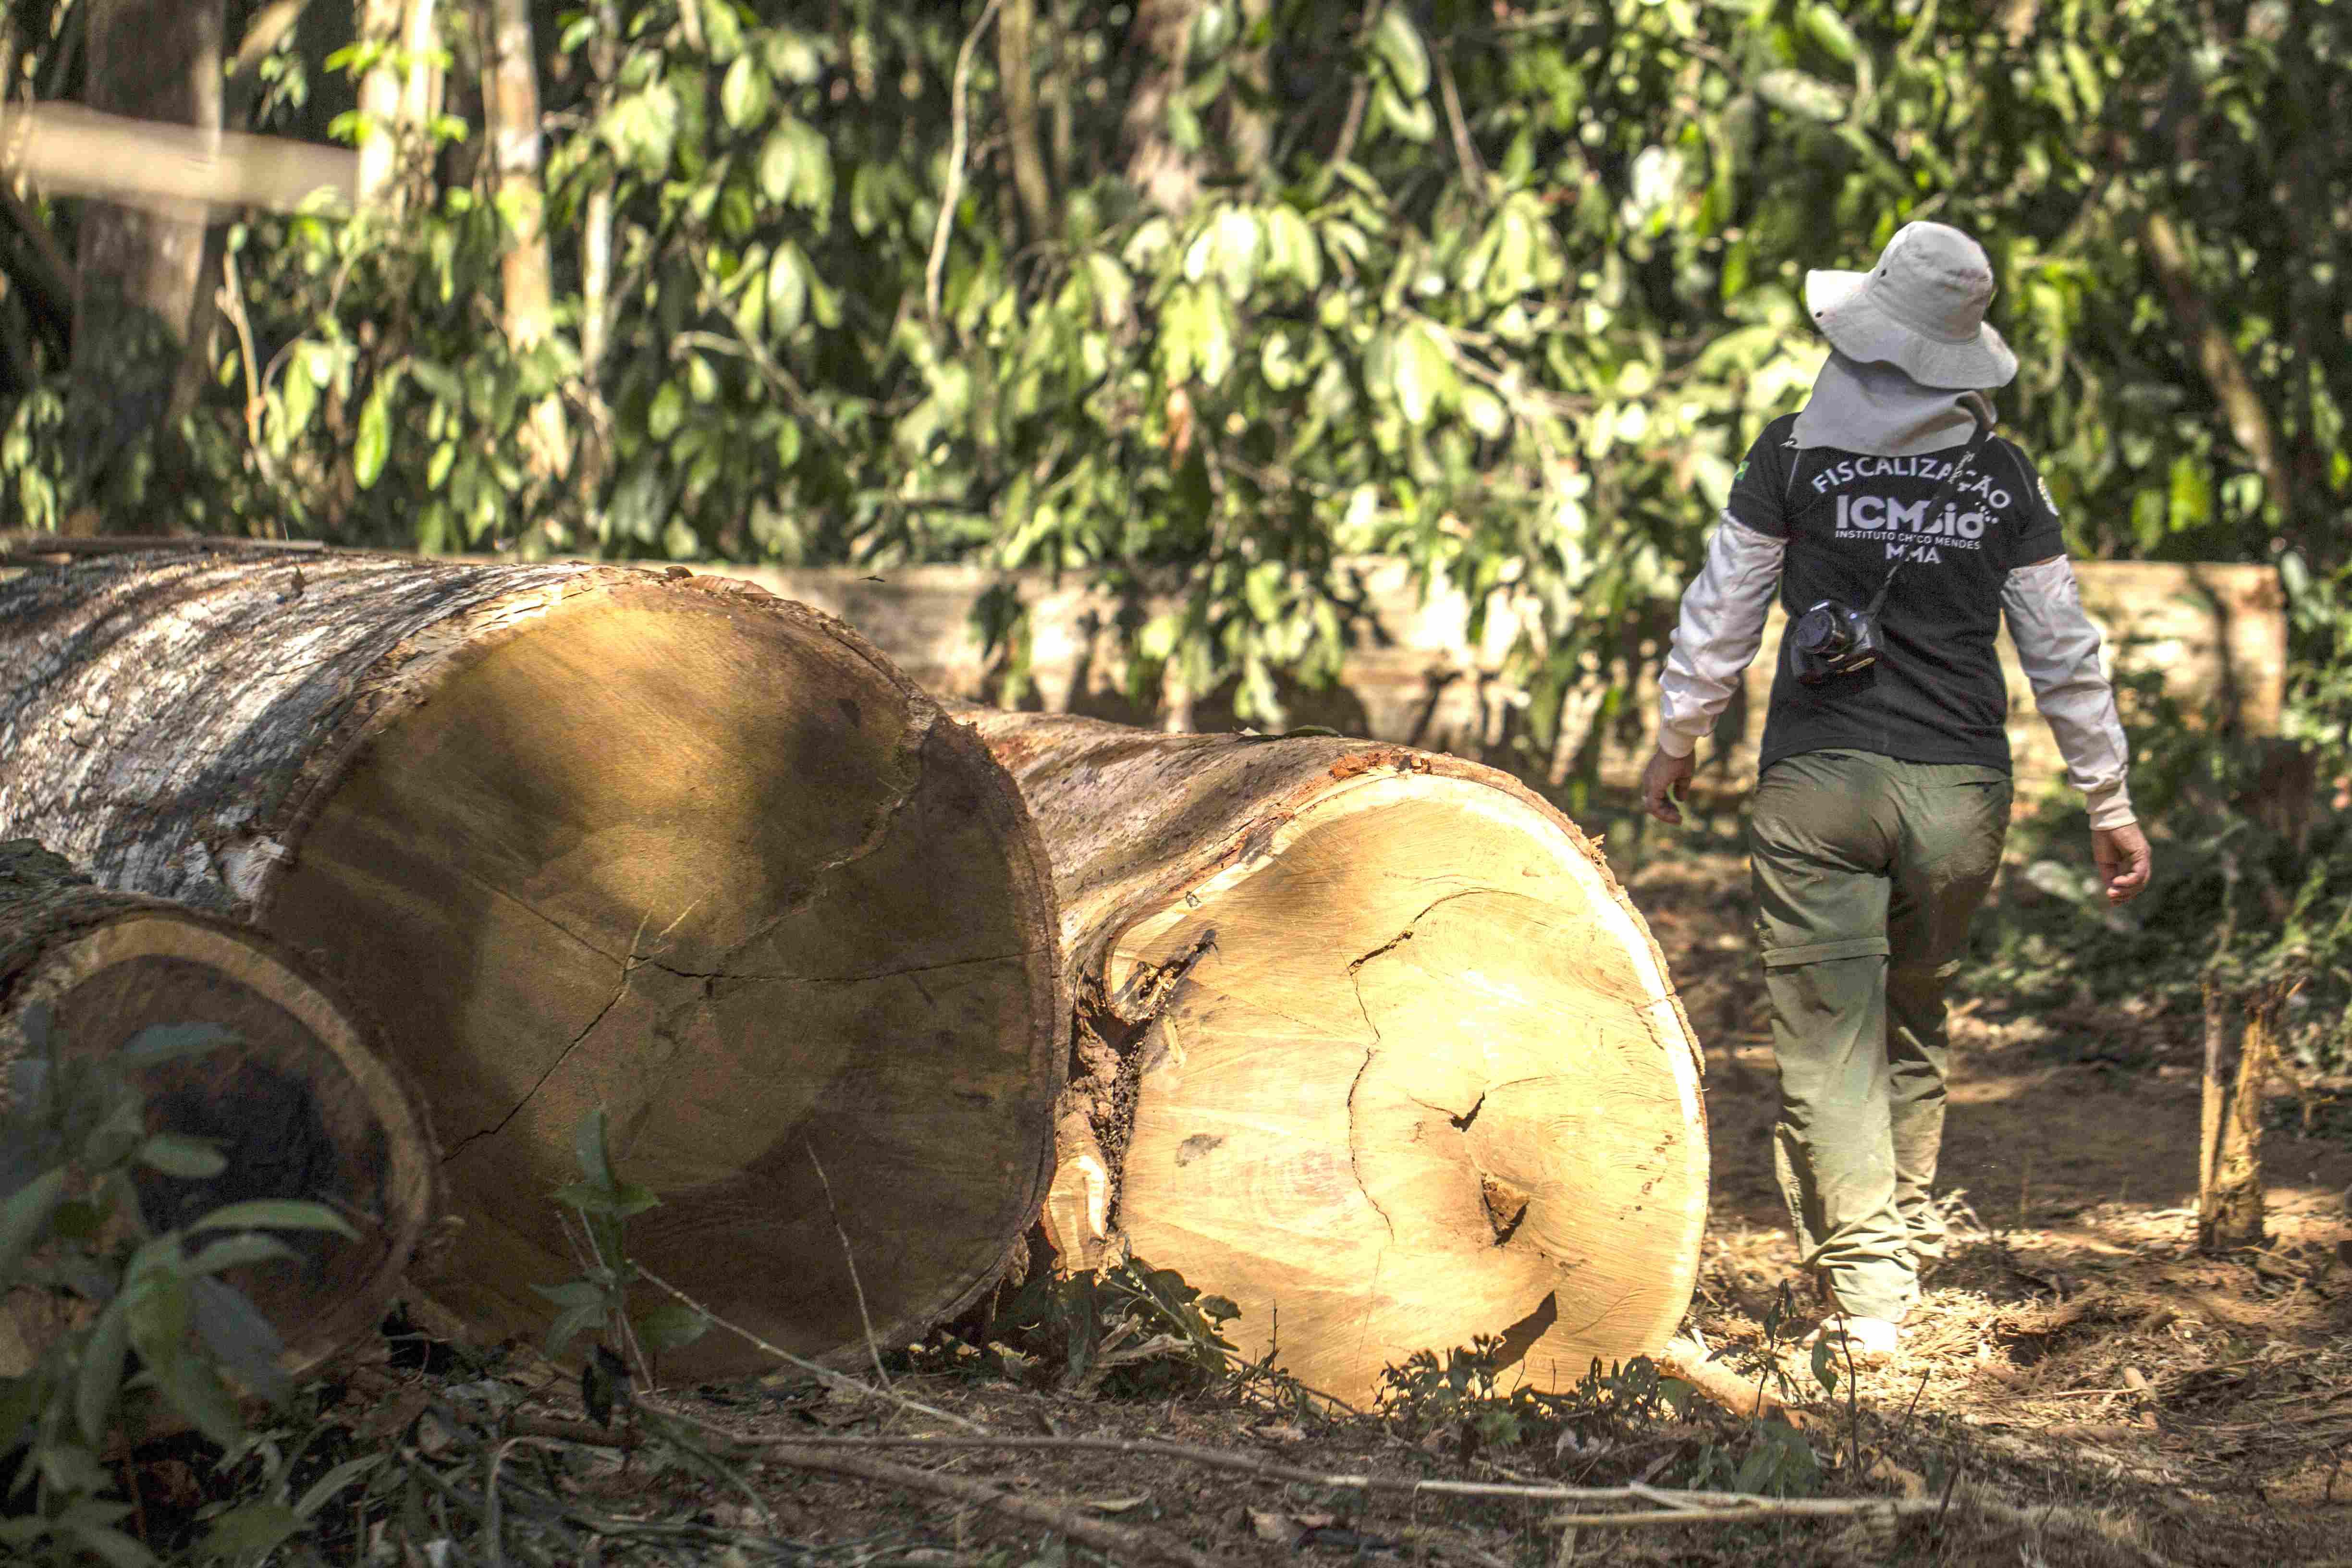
{"x":2124,"y":861}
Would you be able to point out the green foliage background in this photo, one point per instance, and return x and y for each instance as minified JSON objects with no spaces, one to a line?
{"x":1503,"y":288}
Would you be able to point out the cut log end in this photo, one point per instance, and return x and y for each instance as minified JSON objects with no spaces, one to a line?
{"x":1428,"y":1083}
{"x":1401,"y":1065}
{"x":296,"y":1101}
{"x":689,"y":855}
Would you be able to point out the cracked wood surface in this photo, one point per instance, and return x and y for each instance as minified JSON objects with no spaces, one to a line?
{"x":1404,"y":1066}
{"x":300,"y":1102}
{"x":581,"y":836}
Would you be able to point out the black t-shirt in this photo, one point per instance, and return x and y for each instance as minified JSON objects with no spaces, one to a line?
{"x":1936,"y":694}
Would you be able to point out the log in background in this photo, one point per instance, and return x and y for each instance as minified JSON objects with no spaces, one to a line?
{"x":2214,"y":634}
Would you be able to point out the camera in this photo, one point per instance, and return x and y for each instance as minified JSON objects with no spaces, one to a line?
{"x":1833,"y":640}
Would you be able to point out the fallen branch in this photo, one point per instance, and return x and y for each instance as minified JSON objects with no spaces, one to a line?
{"x":1267,"y":1470}
{"x":1124,"y":1542}
{"x":1748,"y":1513}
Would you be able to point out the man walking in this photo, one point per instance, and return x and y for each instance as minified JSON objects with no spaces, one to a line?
{"x":1898,"y":536}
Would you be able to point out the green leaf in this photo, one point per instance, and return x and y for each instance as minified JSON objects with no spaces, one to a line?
{"x":1808,"y":97}
{"x":240,"y":1250}
{"x":787,"y":285}
{"x":1826,"y":1365}
{"x":745,"y":94}
{"x":1424,"y":379}
{"x":591,"y":1146}
{"x":110,"y":1545}
{"x":176,"y":1154}
{"x":25,"y":1216}
{"x":324,"y":1491}
{"x":667,"y":412}
{"x":571,"y":1292}
{"x":671,"y":1325}
{"x":1396,"y":46}
{"x":572,"y":1321}
{"x":374,"y":443}
{"x":252,"y":1531}
{"x":1828,"y":29}
{"x":276,"y":1213}
{"x":99,"y":1377}
{"x":780,"y":165}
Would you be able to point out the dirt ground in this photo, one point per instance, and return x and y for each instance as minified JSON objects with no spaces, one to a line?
{"x":2074,"y":1329}
{"x":2129,"y":1400}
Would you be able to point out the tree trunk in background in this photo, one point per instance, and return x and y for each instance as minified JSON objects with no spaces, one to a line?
{"x":1370,"y":1041}
{"x":596,"y":277}
{"x":578,"y":835}
{"x":300,"y":1102}
{"x":140,"y":269}
{"x":1249,"y":126}
{"x":379,"y":24}
{"x":511,"y":100}
{"x":1016,"y":43}
{"x":2217,"y":357}
{"x":1162,"y":36}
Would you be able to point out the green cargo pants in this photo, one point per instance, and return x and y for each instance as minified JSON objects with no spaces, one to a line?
{"x":1867,"y":870}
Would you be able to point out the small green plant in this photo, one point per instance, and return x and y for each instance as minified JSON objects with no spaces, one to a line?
{"x":597,"y":1299}
{"x":1129,"y":1330}
{"x":1477,"y":1395}
{"x":146,"y":1315}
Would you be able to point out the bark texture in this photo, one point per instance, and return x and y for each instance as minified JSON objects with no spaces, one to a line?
{"x":302,"y":1104}
{"x":1370,"y":1041}
{"x":581,"y":836}
{"x":2229,"y":1149}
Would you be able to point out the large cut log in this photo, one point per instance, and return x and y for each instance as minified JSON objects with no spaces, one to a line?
{"x":1371,"y":1043}
{"x":580,"y":835}
{"x":299,"y":1102}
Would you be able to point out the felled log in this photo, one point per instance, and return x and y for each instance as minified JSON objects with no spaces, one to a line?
{"x":1371,"y":1043}
{"x":299,"y":1103}
{"x":581,"y":836}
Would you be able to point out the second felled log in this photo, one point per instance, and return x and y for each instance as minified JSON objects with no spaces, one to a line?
{"x":1371,"y":1043}
{"x":582,"y":835}
{"x":297,"y":1101}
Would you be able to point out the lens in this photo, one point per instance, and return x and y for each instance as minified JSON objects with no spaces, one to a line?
{"x":1817,"y":631}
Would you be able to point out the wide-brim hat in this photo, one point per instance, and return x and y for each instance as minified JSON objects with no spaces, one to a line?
{"x":1921,"y":307}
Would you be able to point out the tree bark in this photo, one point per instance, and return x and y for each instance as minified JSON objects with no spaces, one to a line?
{"x":379,"y":25}
{"x":1161,"y":35}
{"x":2230,"y":1153}
{"x":302,"y":1104}
{"x":1370,"y":1041}
{"x":1016,"y":43}
{"x":511,"y":98}
{"x":1249,"y":126}
{"x":579,"y":836}
{"x":2217,"y":357}
{"x":140,"y":269}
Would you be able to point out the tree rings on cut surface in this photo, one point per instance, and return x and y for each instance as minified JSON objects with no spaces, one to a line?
{"x":583,"y":836}
{"x":297,"y":1101}
{"x":1400,"y":1062}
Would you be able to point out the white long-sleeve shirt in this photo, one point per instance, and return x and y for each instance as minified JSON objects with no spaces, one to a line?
{"x":1721,"y":627}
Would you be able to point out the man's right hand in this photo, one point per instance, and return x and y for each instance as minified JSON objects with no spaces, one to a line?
{"x":1664,"y":778}
{"x":2124,"y":861}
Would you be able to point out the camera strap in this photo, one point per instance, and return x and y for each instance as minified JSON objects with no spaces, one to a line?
{"x":1962,"y":466}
